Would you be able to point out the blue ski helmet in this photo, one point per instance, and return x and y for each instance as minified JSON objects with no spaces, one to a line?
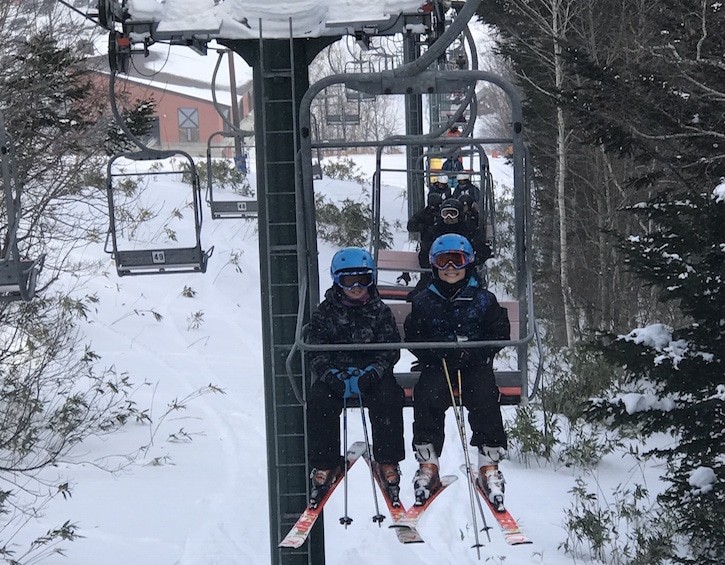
{"x":352,"y":260}
{"x":451,"y":242}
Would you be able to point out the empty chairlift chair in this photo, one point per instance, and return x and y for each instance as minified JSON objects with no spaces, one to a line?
{"x":17,"y":276}
{"x":224,"y":202}
{"x":154,"y":203}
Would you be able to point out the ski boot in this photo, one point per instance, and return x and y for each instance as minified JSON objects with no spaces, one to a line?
{"x":490,"y":477}
{"x":426,"y":480}
{"x":322,"y":480}
{"x":389,"y":474}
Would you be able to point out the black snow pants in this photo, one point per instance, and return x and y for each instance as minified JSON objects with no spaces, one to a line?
{"x":480,"y":396}
{"x":385,"y":409}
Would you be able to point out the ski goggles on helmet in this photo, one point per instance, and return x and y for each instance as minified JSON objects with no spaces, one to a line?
{"x":449,"y":213}
{"x":350,"y":280}
{"x":457,"y":259}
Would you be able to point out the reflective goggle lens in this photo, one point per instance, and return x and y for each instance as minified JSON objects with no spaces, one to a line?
{"x":455,"y":258}
{"x":358,"y":279}
{"x":449,"y":213}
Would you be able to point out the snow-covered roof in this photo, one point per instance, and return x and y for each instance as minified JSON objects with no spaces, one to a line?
{"x":241,"y":19}
{"x":187,"y":72}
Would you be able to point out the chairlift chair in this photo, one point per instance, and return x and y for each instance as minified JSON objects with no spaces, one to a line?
{"x":17,"y":276}
{"x":509,"y":382}
{"x":358,"y":66}
{"x":222,"y":208}
{"x":161,"y":258}
{"x":340,"y":111}
{"x":513,"y":382}
{"x":430,"y":163}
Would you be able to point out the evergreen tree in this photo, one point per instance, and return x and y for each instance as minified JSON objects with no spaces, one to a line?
{"x":646,"y":106}
{"x":642,"y":95}
{"x":139,"y":120}
{"x":673,"y":380}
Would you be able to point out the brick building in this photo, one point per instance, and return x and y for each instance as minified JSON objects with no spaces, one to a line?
{"x":185,"y":113}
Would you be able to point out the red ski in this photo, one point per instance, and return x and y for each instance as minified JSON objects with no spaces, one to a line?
{"x":512,"y":533}
{"x":406,"y":526}
{"x":301,"y":530}
{"x":406,"y":533}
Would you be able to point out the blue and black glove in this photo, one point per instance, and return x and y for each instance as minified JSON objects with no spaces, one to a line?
{"x":352,"y":380}
{"x":369,"y":379}
{"x":352,"y":387}
{"x":335,"y":379}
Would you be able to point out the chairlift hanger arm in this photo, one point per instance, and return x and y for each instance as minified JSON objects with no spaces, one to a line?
{"x":304,"y":346}
{"x":427,"y":82}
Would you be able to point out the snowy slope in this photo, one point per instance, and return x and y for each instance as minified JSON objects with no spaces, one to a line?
{"x":194,"y":491}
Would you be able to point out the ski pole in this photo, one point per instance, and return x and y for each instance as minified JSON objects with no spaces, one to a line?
{"x":462,"y":436}
{"x":345,"y":520}
{"x":378,"y":518}
{"x":468,"y":469}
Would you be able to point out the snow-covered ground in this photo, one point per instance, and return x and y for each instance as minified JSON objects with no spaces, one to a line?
{"x":194,"y":490}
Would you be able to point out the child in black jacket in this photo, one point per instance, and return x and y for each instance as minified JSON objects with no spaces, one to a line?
{"x":454,"y":307}
{"x":352,"y":312}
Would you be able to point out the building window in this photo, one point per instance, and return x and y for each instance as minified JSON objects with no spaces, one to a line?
{"x":188,"y":125}
{"x":153,"y":137}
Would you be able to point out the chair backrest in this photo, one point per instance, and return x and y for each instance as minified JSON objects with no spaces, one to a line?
{"x":399,"y":261}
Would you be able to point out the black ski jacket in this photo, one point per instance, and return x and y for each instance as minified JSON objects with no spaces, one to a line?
{"x":334,"y":322}
{"x":473,"y":314}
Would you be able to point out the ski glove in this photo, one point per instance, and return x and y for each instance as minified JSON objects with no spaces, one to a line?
{"x":362,"y":381}
{"x":369,"y":379}
{"x":335,"y":380}
{"x":352,"y":387}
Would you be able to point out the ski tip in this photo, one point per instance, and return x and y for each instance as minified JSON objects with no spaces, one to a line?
{"x":448,"y":479}
{"x":517,"y":539}
{"x":293,"y":543}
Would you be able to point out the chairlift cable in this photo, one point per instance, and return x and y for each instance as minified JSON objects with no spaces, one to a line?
{"x":119,"y":119}
{"x":86,"y":16}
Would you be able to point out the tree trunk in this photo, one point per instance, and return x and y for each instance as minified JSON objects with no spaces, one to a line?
{"x":561,"y":155}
